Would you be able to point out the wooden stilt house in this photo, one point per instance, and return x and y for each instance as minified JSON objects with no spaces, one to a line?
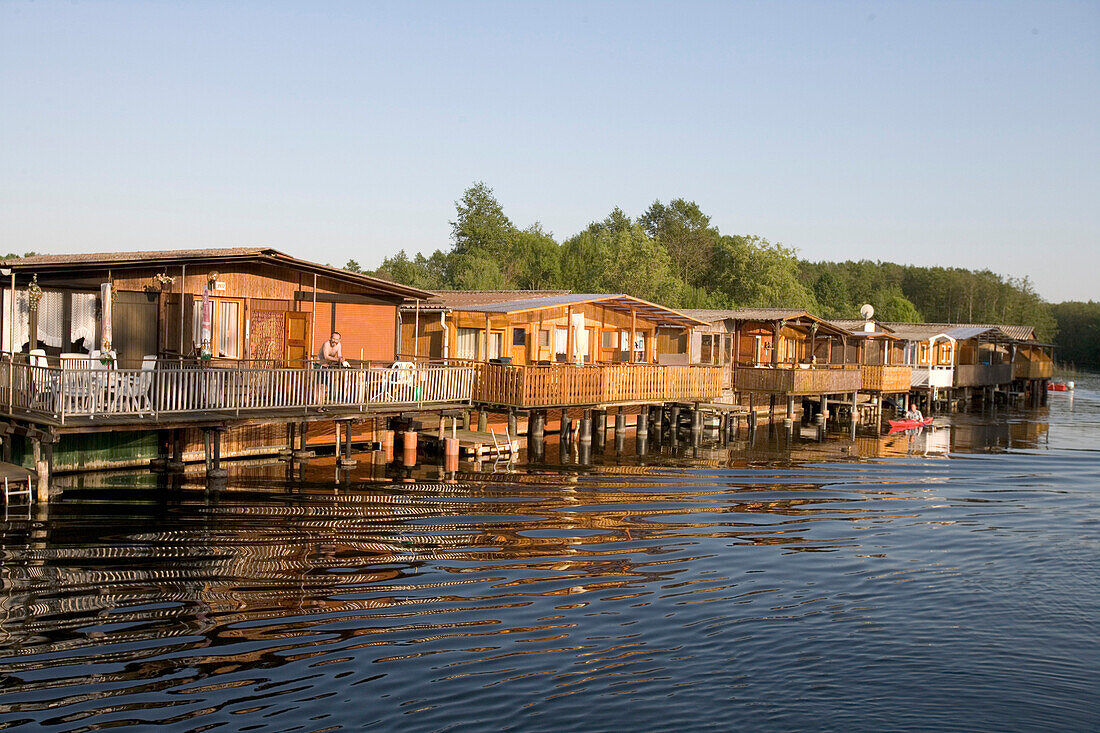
{"x":542,"y":349}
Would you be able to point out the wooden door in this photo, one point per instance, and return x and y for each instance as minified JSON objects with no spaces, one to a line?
{"x":298,"y":351}
{"x":134,"y":326}
{"x":519,"y":338}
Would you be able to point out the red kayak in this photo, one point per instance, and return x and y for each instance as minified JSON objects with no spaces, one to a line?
{"x":1057,"y":387}
{"x":907,"y":424}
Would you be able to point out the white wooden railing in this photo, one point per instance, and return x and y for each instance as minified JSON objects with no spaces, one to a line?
{"x":172,"y":389}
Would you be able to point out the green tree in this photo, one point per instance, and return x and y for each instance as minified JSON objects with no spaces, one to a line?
{"x":1078,"y":338}
{"x":480,"y":226}
{"x":616,"y":256}
{"x":685,"y":232}
{"x":750,"y":271}
{"x":831,"y":291}
{"x":536,"y":259}
{"x":353,"y":266}
{"x":429,"y":273}
{"x":891,"y":305}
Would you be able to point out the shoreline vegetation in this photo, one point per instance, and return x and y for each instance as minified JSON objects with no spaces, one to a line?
{"x":672,"y":254}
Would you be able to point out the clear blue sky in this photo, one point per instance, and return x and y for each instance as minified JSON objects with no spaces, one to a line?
{"x":947,"y":133}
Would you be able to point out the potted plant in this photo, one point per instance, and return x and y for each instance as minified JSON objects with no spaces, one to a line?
{"x":34,"y":293}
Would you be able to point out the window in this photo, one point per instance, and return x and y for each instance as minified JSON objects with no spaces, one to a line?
{"x":610,"y":339}
{"x":468,"y":343}
{"x":519,"y":337}
{"x":229,"y":329}
{"x":706,"y":349}
{"x":544,"y":338}
{"x":225,"y":327}
{"x":639,"y":343}
{"x":922,"y":358}
{"x":561,"y":340}
{"x":496,"y":342}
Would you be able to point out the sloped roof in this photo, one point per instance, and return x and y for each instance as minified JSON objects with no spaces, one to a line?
{"x":175,"y":257}
{"x":145,"y":256}
{"x":746,"y":314}
{"x":468,"y":298}
{"x":959,"y":332}
{"x":762,"y":314}
{"x":1021,"y":333}
{"x":618,"y":302}
{"x":856,"y":325}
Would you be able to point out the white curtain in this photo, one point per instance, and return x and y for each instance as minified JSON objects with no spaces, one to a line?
{"x":580,"y":338}
{"x":196,"y":323}
{"x":22,"y":320}
{"x":467,"y":343}
{"x":229,"y":329}
{"x":51,"y":323}
{"x":83,"y":326}
{"x":561,"y":340}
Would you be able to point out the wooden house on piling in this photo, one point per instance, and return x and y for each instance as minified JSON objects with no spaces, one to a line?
{"x":107,"y":350}
{"x":956,"y":361}
{"x":536,"y":351}
{"x":777,"y":354}
{"x":1032,"y":364}
{"x":883,"y":371}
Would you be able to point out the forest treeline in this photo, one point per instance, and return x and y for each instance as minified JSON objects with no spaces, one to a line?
{"x":672,"y":254}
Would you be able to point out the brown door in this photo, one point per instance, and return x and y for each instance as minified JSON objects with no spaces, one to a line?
{"x":298,"y":351}
{"x":134,"y":326}
{"x":518,"y":336}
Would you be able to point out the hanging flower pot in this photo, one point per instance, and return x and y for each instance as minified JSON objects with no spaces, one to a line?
{"x":34,"y":293}
{"x":163,"y":280}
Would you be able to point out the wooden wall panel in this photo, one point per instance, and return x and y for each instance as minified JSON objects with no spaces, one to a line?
{"x":367,"y":329}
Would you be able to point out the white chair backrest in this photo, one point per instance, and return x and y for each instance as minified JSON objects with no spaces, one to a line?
{"x":149,"y":362}
{"x":76,"y":361}
{"x":38,"y":358}
{"x":403,"y":365}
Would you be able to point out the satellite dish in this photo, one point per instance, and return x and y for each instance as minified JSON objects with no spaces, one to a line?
{"x":867,"y":311}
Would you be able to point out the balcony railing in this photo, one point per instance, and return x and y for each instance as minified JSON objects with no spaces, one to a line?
{"x":982,"y":375}
{"x":562,"y":385}
{"x":1033,"y":370}
{"x":798,"y":380}
{"x":885,"y":378}
{"x":939,"y":376}
{"x":172,"y":390}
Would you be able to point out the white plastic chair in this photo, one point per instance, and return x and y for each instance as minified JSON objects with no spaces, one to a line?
{"x":43,"y":384}
{"x":141,"y":387}
{"x":402,"y":378}
{"x":77,"y":384}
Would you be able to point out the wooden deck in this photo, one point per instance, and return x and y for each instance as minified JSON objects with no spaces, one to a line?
{"x":982,"y":375}
{"x":561,"y":385}
{"x":790,"y":380}
{"x":174,"y":394}
{"x":478,"y":444}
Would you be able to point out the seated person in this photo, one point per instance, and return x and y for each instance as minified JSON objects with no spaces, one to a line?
{"x":914,"y":414}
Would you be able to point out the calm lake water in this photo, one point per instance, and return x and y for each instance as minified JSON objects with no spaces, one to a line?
{"x":942,"y":581}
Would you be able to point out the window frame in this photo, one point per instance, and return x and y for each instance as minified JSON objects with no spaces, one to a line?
{"x":215,"y":325}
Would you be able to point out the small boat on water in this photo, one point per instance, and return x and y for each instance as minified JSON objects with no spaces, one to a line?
{"x":909,"y":424}
{"x":1060,"y":386}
